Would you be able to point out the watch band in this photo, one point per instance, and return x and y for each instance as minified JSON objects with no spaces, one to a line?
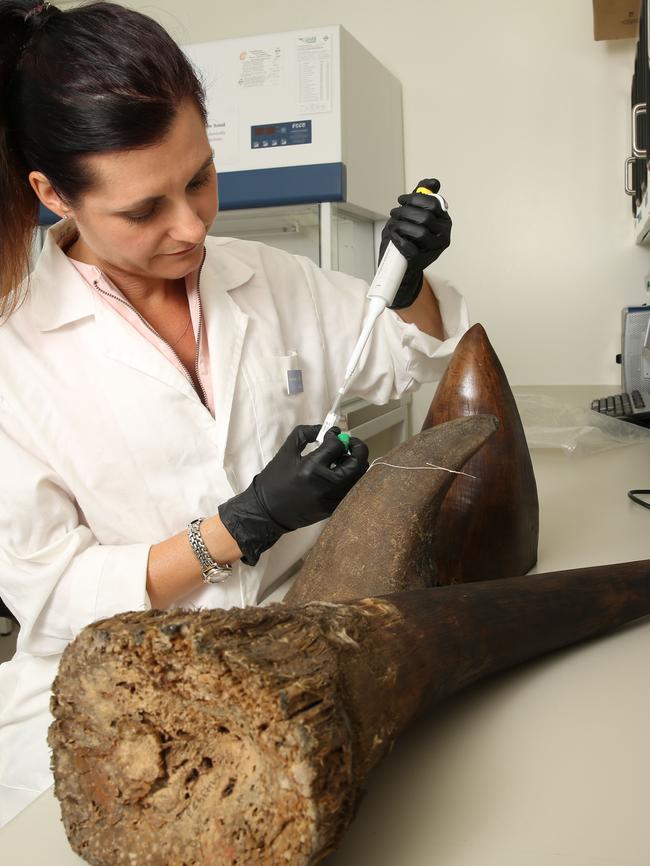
{"x":212,"y":571}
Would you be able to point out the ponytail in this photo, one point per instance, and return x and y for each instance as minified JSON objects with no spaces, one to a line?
{"x":18,"y":204}
{"x":93,"y":79}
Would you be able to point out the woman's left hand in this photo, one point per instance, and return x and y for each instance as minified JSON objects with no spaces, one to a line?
{"x":420,"y":228}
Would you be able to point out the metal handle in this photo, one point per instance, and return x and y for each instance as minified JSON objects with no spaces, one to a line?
{"x":628,"y":188}
{"x":639,"y":108}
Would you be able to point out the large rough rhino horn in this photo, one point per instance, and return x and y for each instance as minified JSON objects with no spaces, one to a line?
{"x":244,"y":737}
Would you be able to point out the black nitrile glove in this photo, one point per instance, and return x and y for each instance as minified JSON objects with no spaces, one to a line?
{"x":421,"y":230}
{"x":292,"y":490}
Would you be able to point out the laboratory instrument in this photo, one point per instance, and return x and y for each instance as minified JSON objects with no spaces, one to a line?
{"x":637,"y":167}
{"x":381,"y":294}
{"x":291,"y":122}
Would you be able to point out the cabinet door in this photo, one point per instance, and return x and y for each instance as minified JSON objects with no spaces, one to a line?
{"x":352,"y":242}
{"x":295,"y":229}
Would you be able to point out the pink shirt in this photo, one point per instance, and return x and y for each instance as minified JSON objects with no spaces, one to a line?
{"x":111,"y":295}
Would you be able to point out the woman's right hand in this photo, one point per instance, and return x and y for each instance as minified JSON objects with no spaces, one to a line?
{"x":292,"y":490}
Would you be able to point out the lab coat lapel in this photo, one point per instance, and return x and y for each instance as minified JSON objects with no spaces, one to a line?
{"x":226,"y":329}
{"x":60,"y":296}
{"x":122,"y":343}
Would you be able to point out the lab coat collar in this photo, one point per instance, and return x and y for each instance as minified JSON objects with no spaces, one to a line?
{"x":224,"y":270}
{"x":57,"y":291}
{"x":60,"y":295}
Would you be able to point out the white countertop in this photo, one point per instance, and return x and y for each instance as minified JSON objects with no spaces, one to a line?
{"x":548,"y":765}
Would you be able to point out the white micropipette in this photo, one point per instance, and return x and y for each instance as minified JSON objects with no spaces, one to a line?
{"x":381,"y":293}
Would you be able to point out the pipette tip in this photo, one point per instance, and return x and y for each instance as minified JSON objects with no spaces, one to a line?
{"x":328,"y":423}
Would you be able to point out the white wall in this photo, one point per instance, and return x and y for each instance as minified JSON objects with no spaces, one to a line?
{"x":525,"y":119}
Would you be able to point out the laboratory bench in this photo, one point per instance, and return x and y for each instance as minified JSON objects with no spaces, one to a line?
{"x":546,"y":765}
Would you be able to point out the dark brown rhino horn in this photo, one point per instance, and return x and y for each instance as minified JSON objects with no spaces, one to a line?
{"x":487,"y":527}
{"x":214,"y":738}
{"x":380,"y":538}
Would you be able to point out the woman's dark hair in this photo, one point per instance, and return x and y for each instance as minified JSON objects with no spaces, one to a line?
{"x":91,"y":79}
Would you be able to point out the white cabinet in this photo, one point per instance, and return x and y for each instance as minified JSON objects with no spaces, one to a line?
{"x":334,"y":236}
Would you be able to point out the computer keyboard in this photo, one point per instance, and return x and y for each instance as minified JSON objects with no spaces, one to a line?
{"x":628,"y":407}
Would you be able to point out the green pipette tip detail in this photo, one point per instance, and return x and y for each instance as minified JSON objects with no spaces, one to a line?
{"x":345,"y":439}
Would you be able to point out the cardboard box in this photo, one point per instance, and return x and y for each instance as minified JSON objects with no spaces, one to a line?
{"x":616,"y":19}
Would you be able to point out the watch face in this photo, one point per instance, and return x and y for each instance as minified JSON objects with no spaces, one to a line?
{"x":217,"y":574}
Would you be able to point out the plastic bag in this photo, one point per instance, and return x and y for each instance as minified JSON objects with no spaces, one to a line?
{"x":551,"y":423}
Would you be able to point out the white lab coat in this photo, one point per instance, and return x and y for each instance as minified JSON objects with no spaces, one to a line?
{"x":106,"y":448}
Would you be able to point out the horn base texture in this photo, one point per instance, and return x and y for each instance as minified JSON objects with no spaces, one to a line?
{"x":218,"y":737}
{"x":246,"y":736}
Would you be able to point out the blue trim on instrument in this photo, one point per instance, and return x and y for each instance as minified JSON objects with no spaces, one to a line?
{"x":269,"y":187}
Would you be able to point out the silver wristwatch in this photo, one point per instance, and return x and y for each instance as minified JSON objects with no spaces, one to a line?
{"x":212,"y":571}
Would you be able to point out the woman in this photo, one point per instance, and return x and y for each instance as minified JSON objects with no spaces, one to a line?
{"x":151,"y":446}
